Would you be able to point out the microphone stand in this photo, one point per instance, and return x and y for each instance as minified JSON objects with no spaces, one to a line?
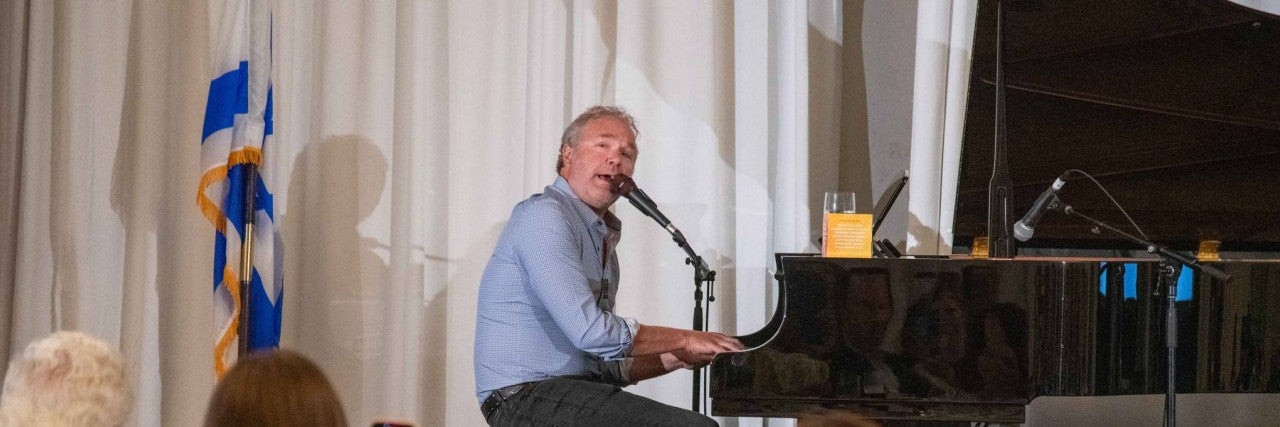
{"x":1171,"y":264}
{"x":701,"y":274}
{"x":999,"y":187}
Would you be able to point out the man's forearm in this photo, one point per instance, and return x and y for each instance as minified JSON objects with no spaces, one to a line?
{"x":655,"y":340}
{"x":645,"y":367}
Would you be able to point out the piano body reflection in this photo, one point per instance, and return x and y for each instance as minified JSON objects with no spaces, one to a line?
{"x":1175,"y":107}
{"x":977,"y":340}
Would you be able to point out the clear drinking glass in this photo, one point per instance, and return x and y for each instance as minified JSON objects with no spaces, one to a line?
{"x":838,"y":202}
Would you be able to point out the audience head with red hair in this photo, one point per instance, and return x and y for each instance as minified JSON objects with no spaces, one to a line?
{"x":274,"y":388}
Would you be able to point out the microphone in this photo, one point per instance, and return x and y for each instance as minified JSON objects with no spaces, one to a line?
{"x":624,"y":186}
{"x":1025,"y":227}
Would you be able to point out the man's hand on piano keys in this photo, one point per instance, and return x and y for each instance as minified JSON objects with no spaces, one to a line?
{"x":710,"y":343}
{"x":681,"y":359}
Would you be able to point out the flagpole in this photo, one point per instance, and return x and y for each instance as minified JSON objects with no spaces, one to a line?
{"x":246,"y":255}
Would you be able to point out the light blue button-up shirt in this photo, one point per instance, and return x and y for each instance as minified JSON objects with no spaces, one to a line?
{"x":546,"y":297}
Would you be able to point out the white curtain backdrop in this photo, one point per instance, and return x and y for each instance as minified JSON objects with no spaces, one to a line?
{"x":944,"y":48}
{"x":406,"y":131}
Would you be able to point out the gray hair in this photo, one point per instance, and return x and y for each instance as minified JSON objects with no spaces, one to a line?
{"x":68,"y":378}
{"x":571,"y":133}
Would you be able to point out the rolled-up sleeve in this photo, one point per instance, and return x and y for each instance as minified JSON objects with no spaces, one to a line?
{"x":615,"y":372}
{"x":553,"y":255}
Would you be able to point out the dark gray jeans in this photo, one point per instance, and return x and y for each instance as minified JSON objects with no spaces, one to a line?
{"x":576,"y":402}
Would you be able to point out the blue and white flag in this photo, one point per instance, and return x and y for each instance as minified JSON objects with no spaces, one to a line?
{"x":237,"y":133}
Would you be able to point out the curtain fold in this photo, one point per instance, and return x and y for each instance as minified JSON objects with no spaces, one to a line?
{"x":13,"y":44}
{"x":944,"y":40}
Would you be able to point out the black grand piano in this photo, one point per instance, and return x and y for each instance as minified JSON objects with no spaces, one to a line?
{"x":1174,"y":106}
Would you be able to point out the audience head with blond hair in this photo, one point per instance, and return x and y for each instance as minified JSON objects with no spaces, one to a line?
{"x":274,"y":388}
{"x":66,"y":379}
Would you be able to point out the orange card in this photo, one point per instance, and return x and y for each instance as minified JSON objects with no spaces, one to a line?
{"x":846,"y":235}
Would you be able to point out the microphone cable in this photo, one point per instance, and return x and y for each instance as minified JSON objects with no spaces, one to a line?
{"x":1113,"y":199}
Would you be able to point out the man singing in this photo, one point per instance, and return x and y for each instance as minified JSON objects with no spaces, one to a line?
{"x":549,"y":349}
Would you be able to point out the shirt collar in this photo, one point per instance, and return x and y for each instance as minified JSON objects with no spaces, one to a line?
{"x":588,"y":215}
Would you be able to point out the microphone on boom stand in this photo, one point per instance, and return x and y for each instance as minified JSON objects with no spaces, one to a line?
{"x":624,"y":186}
{"x":1025,"y":227}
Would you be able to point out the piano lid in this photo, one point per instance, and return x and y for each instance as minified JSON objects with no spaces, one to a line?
{"x":1174,"y":105}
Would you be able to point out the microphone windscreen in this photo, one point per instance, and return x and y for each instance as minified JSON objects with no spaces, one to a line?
{"x":621,"y":185}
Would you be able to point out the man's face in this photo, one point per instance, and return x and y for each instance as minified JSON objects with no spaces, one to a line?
{"x":605,"y":148}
